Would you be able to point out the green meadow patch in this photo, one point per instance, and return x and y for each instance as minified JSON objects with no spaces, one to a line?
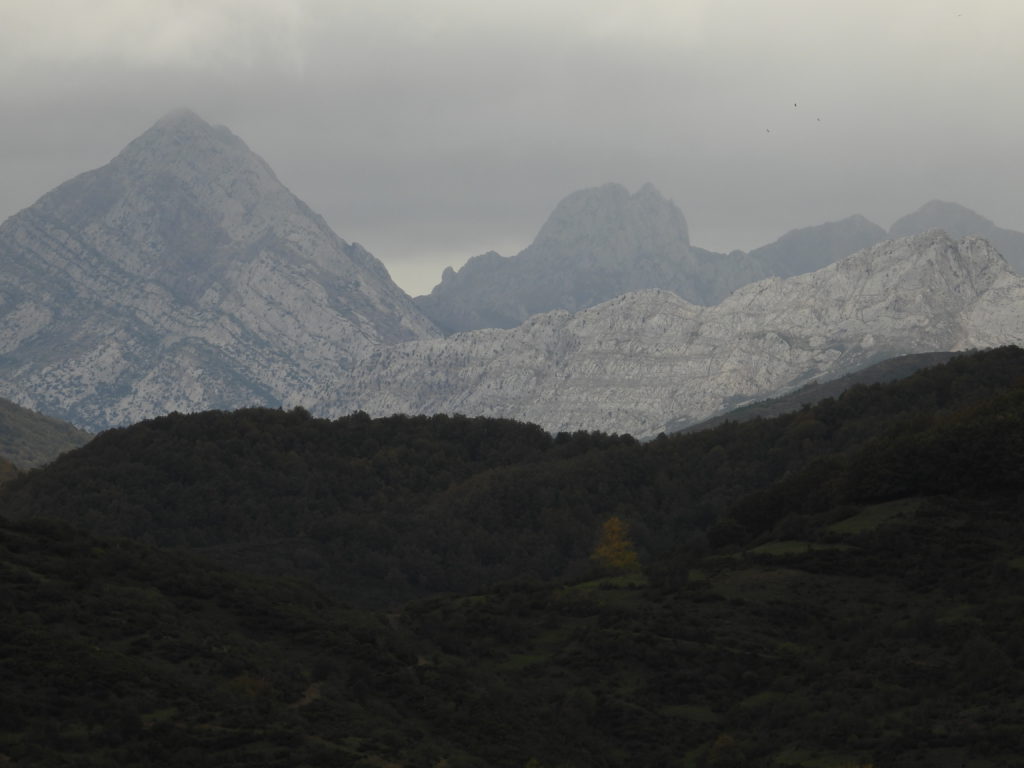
{"x":869,"y":518}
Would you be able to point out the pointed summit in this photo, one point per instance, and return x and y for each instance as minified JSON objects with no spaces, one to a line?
{"x":180,"y":132}
{"x":604,"y":221}
{"x":955,"y":219}
{"x":179,"y":117}
{"x":962,"y":222}
{"x":181,"y":121}
{"x":181,"y":276}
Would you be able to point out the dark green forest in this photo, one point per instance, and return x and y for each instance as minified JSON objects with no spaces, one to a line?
{"x":839,"y":586}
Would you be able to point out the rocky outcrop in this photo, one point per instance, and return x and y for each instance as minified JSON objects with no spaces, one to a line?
{"x":183,"y":276}
{"x":597,"y":244}
{"x":634,"y":363}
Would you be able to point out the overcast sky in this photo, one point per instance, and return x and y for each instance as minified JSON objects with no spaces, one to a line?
{"x":430,"y":131}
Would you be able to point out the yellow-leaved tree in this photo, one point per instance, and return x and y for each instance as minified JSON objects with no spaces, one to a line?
{"x":614,"y":550}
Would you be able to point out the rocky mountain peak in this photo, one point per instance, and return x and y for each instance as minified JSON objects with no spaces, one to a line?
{"x":183,"y":138}
{"x":183,"y":275}
{"x":602,"y":221}
{"x":939,"y":214}
{"x":961,"y":222}
{"x":598,"y":243}
{"x":930,"y":269}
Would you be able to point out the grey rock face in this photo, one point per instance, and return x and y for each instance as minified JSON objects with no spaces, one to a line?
{"x":959,"y":222}
{"x":183,"y":276}
{"x":597,"y":244}
{"x":638,"y":361}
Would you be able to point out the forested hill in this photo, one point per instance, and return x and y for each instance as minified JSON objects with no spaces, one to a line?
{"x":382,"y":510}
{"x":841,"y":587}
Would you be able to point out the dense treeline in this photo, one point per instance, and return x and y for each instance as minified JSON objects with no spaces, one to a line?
{"x":843,"y":586}
{"x":381,"y":510}
{"x":356,"y":504}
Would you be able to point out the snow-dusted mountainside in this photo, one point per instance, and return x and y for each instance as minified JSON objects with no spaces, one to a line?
{"x":637,"y":361}
{"x":597,"y":244}
{"x":181,"y":276}
{"x":959,"y":221}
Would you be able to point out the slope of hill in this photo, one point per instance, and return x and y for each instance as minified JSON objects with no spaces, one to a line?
{"x":116,"y":654}
{"x":182,"y":276}
{"x":29,"y":439}
{"x":888,"y":370}
{"x":856,"y":601}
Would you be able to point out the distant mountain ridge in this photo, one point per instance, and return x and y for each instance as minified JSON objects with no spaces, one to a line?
{"x":644,"y":358}
{"x":958,"y":222}
{"x":597,"y":244}
{"x":602,"y":242}
{"x":183,"y":276}
{"x":811,"y":248}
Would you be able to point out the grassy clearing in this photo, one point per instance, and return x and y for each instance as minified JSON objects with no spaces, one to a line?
{"x":757,"y":583}
{"x":871,"y":517}
{"x":621,"y":581}
{"x":692,"y":712}
{"x":793,"y":547}
{"x":521,"y":661}
{"x":813,"y":759}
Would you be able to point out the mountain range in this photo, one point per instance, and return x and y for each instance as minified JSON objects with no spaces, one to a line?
{"x":184,"y":276}
{"x":596,"y":245}
{"x":632,"y":363}
{"x":600,"y":243}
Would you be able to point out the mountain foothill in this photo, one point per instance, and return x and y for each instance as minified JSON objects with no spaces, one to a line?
{"x":841,"y":585}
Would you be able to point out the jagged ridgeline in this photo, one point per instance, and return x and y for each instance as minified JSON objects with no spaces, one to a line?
{"x":840,"y":586}
{"x":380,"y":510}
